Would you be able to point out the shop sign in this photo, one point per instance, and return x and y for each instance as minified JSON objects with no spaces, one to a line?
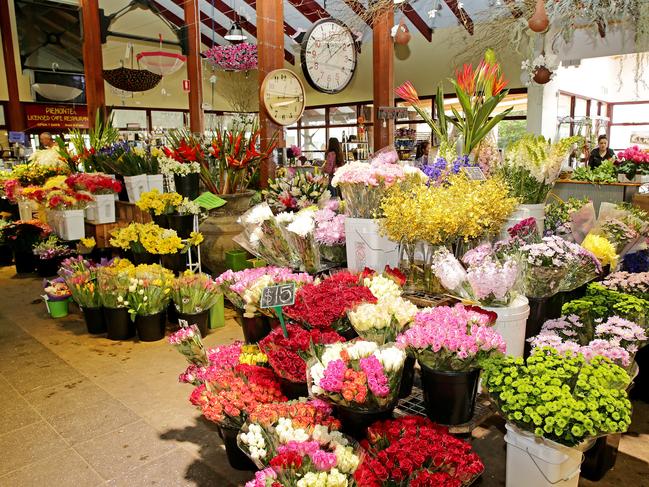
{"x":56,"y":116}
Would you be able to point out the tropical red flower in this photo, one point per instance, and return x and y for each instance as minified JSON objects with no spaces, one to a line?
{"x":407,"y":93}
{"x":466,"y":79}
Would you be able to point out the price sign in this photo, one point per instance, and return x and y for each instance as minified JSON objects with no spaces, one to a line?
{"x":474,"y":173}
{"x":278,"y":296}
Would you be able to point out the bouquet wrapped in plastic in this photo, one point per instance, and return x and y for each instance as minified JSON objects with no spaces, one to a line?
{"x":359,"y":375}
{"x":571,"y":220}
{"x":302,"y":239}
{"x":383,"y":321}
{"x":189,"y":344}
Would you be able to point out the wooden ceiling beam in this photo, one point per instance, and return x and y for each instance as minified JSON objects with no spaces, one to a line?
{"x":310,"y":9}
{"x":517,"y":13}
{"x":359,"y":10}
{"x":418,"y":22}
{"x":178,"y":22}
{"x":288,"y":29}
{"x":461,"y":15}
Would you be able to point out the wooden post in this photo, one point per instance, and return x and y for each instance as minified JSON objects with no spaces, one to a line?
{"x":16,"y":115}
{"x":270,"y":45}
{"x":92,"y":59}
{"x":193,"y":23}
{"x":383,"y":76}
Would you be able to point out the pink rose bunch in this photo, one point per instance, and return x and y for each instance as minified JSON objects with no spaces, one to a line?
{"x":233,"y":57}
{"x":634,"y":154}
{"x":369,"y":174}
{"x":376,"y":378}
{"x":452,"y":338}
{"x":329,"y":226}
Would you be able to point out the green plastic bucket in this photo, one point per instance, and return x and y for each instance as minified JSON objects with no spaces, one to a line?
{"x":217,"y":314}
{"x":57,"y":309}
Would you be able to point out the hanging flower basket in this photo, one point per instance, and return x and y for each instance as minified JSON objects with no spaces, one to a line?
{"x":236,"y":57}
{"x":128,"y":79}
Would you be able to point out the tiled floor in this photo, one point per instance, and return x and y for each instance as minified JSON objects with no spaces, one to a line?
{"x":78,"y":410}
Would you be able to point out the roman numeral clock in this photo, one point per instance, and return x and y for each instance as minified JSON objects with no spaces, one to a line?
{"x":328,"y":55}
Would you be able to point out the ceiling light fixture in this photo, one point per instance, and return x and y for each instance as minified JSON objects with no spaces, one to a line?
{"x":235,"y":33}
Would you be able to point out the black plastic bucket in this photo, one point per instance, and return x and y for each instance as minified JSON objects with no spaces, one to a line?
{"x":449,"y":397}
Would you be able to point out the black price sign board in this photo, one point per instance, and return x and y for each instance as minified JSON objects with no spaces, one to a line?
{"x":278,"y":296}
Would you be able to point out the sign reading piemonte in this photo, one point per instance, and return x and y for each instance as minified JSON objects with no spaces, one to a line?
{"x":56,"y":116}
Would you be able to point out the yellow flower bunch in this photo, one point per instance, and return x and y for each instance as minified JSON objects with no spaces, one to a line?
{"x":251,"y":355}
{"x":147,"y":237}
{"x":195,"y":239}
{"x":89,"y":242}
{"x":149,"y":289}
{"x":463,"y":209}
{"x":159,"y":204}
{"x":601,"y":248}
{"x":56,"y":182}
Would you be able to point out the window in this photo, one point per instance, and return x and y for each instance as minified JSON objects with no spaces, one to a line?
{"x":167,"y":120}
{"x":621,"y":135}
{"x":631,"y":113}
{"x":124,"y":119}
{"x":313,"y":117}
{"x":342,"y":115}
{"x":313,"y":139}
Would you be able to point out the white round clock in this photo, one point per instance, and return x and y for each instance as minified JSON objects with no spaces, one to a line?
{"x":283,"y":96}
{"x":329,"y":56}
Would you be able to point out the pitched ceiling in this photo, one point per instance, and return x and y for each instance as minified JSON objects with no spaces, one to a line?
{"x":299,"y":15}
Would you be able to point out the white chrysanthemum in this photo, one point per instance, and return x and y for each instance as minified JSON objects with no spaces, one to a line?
{"x":303,"y":224}
{"x":47,"y":157}
{"x":285,"y":218}
{"x":259,"y":214}
{"x":255,"y":236}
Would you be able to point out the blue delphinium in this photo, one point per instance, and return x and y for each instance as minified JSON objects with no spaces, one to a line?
{"x":636,"y":262}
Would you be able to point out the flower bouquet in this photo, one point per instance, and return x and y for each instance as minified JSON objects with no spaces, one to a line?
{"x":300,"y":233}
{"x":360,"y":378}
{"x":294,"y":193}
{"x":450,"y":344}
{"x":93,"y":183}
{"x":631,"y":162}
{"x":113,"y":281}
{"x":83,"y":287}
{"x":546,"y":266}
{"x":50,"y":252}
{"x":141,"y":238}
{"x":614,"y":338}
{"x":266,"y":237}
{"x":636,"y":284}
{"x":571,"y":220}
{"x":229,"y":397}
{"x":532,"y":165}
{"x":149,"y":290}
{"x":325,"y":305}
{"x":271,"y":426}
{"x":170,"y":210}
{"x":487,"y":280}
{"x":193,"y":296}
{"x":382,"y":321}
{"x":188,"y":342}
{"x":56,"y":290}
{"x":363,"y":184}
{"x":330,"y":232}
{"x":309,"y":463}
{"x":560,"y":397}
{"x":287,"y":355}
{"x":413,"y":451}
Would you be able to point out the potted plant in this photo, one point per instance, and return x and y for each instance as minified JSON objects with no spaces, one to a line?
{"x":103,"y":189}
{"x":148,"y":296}
{"x":531,"y":166}
{"x":183,"y":159}
{"x":193,"y":296}
{"x":66,"y":210}
{"x":80,"y":275}
{"x":113,"y":281}
{"x":570,"y":401}
{"x":329,"y":232}
{"x":248,"y":385}
{"x":229,"y":168}
{"x":170,"y":210}
{"x":21,"y":236}
{"x":412,"y":450}
{"x":57,"y":297}
{"x":360,"y":379}
{"x":450,"y":343}
{"x":287,"y":355}
{"x":50,"y":253}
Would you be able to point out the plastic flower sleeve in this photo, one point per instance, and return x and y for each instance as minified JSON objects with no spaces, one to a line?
{"x":383,"y":321}
{"x":582,"y":221}
{"x":359,"y":375}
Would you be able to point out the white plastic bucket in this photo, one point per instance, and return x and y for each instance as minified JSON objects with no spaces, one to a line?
{"x":366,"y":247}
{"x":511,"y":324}
{"x":69,"y":224}
{"x":102,"y":209}
{"x":135,"y":186}
{"x":536,"y":462}
{"x":155,"y":181}
{"x":523,"y":212}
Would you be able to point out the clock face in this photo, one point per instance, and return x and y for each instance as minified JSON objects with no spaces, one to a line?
{"x":329,"y":56}
{"x":283,"y":95}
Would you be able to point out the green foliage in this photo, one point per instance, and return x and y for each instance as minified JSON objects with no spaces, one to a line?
{"x":560,"y":397}
{"x":557,"y":213}
{"x":604,"y":173}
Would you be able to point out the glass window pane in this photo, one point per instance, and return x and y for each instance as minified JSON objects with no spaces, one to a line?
{"x":631,"y":113}
{"x":412,"y":113}
{"x":345,"y":115}
{"x":563,"y":106}
{"x":508,"y":131}
{"x":167,"y":120}
{"x":313,"y":116}
{"x":621,"y":136}
{"x":367,"y":112}
{"x":580,"y":107}
{"x":123,"y":118}
{"x":291,"y":137}
{"x":314,"y":139}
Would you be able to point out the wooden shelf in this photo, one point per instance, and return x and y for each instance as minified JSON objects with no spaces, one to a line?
{"x":571,"y":181}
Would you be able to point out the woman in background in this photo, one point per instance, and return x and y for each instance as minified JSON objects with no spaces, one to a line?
{"x":333,"y":160}
{"x":600,"y":153}
{"x":421,"y":154}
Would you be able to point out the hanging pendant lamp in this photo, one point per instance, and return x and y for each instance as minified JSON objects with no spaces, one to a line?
{"x":235,"y":33}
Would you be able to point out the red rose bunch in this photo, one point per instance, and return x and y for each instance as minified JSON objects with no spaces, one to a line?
{"x":287,"y":355}
{"x":325,"y":305}
{"x":230,"y":395}
{"x":93,"y":183}
{"x":416,"y":452}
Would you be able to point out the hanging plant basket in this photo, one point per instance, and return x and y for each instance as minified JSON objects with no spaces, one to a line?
{"x":128,"y":79}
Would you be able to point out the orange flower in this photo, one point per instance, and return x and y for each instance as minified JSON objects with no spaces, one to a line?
{"x":466,"y":79}
{"x":408,"y":93}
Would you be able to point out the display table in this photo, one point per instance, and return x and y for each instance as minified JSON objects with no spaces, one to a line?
{"x":597,"y":193}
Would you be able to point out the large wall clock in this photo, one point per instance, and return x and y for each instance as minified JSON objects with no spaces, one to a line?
{"x":329,"y":56}
{"x":283,"y":95}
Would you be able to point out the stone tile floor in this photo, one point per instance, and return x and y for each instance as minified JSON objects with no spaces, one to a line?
{"x":78,"y":410}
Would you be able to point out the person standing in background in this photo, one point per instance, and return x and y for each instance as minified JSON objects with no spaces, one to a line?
{"x":600,"y":153}
{"x":333,"y":160}
{"x":421,"y":154}
{"x":46,"y":140}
